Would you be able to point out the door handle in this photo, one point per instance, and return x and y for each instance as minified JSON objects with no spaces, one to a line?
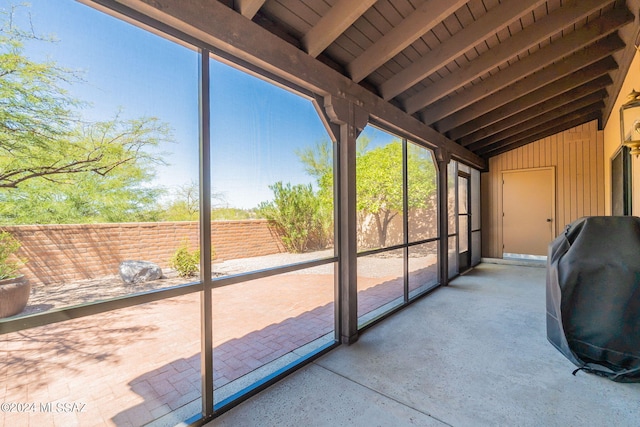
{"x":549,"y":220}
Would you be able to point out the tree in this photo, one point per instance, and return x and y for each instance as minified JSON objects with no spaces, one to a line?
{"x":116,"y":196}
{"x":378,"y":179}
{"x":317,"y":159}
{"x":422,"y":178}
{"x":185,"y":206}
{"x":379,"y":186}
{"x":379,"y":183}
{"x":50,"y":158}
{"x":318,"y":163}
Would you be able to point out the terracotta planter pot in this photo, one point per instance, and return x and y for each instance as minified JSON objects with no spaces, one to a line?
{"x":14,"y":294}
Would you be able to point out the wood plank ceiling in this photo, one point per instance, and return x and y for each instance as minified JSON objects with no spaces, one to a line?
{"x":491,"y":75}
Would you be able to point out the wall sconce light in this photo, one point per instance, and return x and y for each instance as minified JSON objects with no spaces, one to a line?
{"x":630,"y":123}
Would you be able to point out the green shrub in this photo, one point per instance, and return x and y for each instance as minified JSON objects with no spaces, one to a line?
{"x":300,"y":215}
{"x":185,"y":262}
{"x":9,"y":263}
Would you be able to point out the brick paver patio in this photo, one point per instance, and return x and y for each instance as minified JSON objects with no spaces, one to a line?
{"x":136,"y":365}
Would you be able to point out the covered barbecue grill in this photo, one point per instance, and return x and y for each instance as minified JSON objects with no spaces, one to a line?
{"x":593,"y":296}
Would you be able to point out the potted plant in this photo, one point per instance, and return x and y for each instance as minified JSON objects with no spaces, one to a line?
{"x":14,"y":289}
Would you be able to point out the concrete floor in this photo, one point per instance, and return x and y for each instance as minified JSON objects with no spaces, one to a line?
{"x":472,"y":354}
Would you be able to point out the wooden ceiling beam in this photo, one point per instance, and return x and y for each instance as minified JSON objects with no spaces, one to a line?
{"x":248,"y":8}
{"x":340,"y":17}
{"x":234,"y":36}
{"x":578,"y":49}
{"x":600,"y":68}
{"x":492,"y":22}
{"x":529,"y":37}
{"x":595,"y":89}
{"x":421,"y":21}
{"x":555,"y":71}
{"x":524,"y":128}
{"x":558,"y":127}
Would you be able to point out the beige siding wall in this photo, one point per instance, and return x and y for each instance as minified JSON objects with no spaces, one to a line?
{"x":578,"y":158}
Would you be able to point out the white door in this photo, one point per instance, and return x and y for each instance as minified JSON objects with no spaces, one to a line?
{"x":528,"y":203}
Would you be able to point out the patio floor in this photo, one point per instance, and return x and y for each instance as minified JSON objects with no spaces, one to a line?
{"x":474,"y":353}
{"x":141,"y":365}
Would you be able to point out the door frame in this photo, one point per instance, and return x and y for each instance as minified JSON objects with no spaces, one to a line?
{"x":554,"y":227}
{"x":621,"y":183}
{"x":464,"y":258}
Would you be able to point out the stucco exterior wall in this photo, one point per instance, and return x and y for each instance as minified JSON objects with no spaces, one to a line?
{"x":612,"y":138}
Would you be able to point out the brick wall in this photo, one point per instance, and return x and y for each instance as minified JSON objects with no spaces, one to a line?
{"x":60,"y":253}
{"x":243,"y":239}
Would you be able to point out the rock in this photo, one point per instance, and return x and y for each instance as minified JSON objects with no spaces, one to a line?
{"x":139,"y":271}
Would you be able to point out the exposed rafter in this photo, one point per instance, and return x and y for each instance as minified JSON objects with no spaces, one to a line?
{"x":257,"y":47}
{"x":341,"y":16}
{"x":423,"y":19}
{"x":529,"y":37}
{"x":595,"y":90}
{"x":559,"y":125}
{"x":248,"y":8}
{"x":494,"y":21}
{"x":543,"y":94}
{"x":539,"y":120}
{"x":555,"y":54}
{"x":470,"y":76}
{"x":558,"y":70}
{"x":476,"y":72}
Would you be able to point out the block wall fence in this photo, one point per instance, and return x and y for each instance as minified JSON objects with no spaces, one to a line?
{"x":61,"y":253}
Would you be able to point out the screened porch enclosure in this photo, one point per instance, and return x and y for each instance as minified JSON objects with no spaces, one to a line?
{"x":300,"y":170}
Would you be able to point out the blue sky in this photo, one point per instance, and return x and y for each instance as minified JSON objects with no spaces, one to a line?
{"x":256,"y":126}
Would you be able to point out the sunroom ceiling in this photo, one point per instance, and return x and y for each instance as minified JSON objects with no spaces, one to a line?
{"x":491,"y":75}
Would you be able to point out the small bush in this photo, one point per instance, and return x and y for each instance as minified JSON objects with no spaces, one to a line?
{"x":185,"y":262}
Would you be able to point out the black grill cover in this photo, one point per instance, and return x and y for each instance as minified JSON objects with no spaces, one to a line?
{"x":593,"y":296}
